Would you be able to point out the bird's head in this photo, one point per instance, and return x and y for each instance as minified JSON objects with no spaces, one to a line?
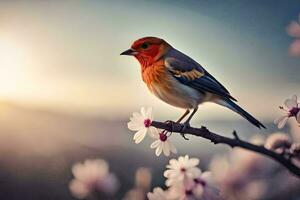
{"x":147,"y":50}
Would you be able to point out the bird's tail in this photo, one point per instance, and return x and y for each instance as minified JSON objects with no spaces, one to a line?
{"x":236,"y":108}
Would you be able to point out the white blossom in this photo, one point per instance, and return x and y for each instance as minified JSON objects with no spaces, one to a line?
{"x":179,"y":171}
{"x":141,"y":122}
{"x":162,"y":144}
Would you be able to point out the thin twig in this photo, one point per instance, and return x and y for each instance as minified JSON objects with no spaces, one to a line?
{"x":232,"y":142}
{"x":235,"y":135}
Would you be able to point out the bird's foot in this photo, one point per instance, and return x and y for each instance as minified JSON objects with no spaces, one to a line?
{"x":185,"y":125}
{"x":172,"y":127}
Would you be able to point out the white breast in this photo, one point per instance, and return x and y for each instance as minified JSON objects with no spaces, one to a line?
{"x":177,"y":94}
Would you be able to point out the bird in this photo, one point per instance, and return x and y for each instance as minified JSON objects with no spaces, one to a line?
{"x":180,"y":81}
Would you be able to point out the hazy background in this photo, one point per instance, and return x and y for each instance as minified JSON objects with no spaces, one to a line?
{"x":66,"y":94}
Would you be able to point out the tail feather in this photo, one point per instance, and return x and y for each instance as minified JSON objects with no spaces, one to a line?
{"x":236,"y":108}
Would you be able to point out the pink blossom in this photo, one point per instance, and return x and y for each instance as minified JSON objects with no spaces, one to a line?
{"x":293,"y":29}
{"x":295,"y":48}
{"x":92,"y":176}
{"x":291,"y":109}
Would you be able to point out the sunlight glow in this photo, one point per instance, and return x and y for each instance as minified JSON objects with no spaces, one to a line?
{"x":12,"y":67}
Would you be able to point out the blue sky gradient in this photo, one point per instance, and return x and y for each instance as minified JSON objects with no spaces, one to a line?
{"x":70,"y":52}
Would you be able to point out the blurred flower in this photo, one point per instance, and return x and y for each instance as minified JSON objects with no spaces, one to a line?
{"x":209,"y":189}
{"x":141,"y":122}
{"x":181,"y":192}
{"x":109,"y":184}
{"x":162,"y":144}
{"x":143,"y":178}
{"x":157,"y":194}
{"x":79,"y":190}
{"x":291,"y":107}
{"x":278,"y":142}
{"x":186,"y":182}
{"x":200,"y":187}
{"x":295,"y":149}
{"x":180,"y":170}
{"x":219,"y":167}
{"x":293,"y":29}
{"x":294,"y":130}
{"x":135,"y":194}
{"x":295,"y":48}
{"x":242,"y":174}
{"x":236,"y":174}
{"x":92,"y":176}
{"x":142,"y":185}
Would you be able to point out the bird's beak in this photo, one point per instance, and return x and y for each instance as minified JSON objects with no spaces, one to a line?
{"x":129,"y":52}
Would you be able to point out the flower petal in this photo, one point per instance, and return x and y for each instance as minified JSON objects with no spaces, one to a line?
{"x":137,"y":117}
{"x":298,"y":117}
{"x":140,"y":135}
{"x":166,"y":148}
{"x":134,"y":126}
{"x":78,"y":189}
{"x":194,"y":172}
{"x":294,"y":98}
{"x":157,"y":194}
{"x":143,"y":112}
{"x":155,"y":144}
{"x":277,"y":120}
{"x":194,"y":162}
{"x":153,"y":132}
{"x":174,"y":164}
{"x":198,"y":191}
{"x":182,"y":159}
{"x":172,"y":148}
{"x":167,"y":173}
{"x":281,"y":121}
{"x":149,"y":113}
{"x":158,"y":150}
{"x":170,"y":182}
{"x":291,"y":103}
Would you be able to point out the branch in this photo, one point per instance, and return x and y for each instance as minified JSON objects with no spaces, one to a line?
{"x":232,"y":142}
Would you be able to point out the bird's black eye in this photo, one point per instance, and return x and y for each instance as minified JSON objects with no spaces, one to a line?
{"x":145,"y":45}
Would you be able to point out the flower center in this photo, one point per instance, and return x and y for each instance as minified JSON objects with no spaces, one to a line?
{"x":188,"y":192}
{"x":294,"y":111}
{"x":182,"y":169}
{"x":163,"y":137}
{"x":200,"y":181}
{"x":147,"y":123}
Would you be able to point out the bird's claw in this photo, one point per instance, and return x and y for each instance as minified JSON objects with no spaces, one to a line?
{"x":185,"y":125}
{"x":172,"y":126}
{"x":184,"y":137}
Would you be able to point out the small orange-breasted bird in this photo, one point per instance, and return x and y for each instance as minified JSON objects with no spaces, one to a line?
{"x":180,"y":81}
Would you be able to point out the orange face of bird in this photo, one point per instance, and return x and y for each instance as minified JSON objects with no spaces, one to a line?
{"x":147,"y":50}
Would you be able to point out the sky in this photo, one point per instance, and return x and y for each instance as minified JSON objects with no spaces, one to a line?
{"x":64,"y":55}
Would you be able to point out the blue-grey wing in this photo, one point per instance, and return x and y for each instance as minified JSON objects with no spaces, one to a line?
{"x":190,"y":73}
